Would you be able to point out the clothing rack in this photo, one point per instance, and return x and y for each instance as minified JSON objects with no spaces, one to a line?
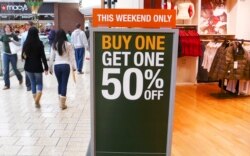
{"x":188,"y":27}
{"x":223,"y":93}
{"x":216,"y":37}
{"x":242,"y":40}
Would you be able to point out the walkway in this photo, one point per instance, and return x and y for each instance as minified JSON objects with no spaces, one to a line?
{"x":26,"y":130}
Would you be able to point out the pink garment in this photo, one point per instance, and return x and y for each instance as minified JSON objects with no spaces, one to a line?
{"x":231,"y":86}
{"x":244,"y":87}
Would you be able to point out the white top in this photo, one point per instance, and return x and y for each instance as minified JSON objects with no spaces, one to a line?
{"x":23,"y":37}
{"x":79,"y":39}
{"x":68,"y":57}
{"x":186,"y":10}
{"x":209,"y":54}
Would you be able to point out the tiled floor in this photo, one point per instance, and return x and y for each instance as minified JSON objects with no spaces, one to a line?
{"x":26,"y":130}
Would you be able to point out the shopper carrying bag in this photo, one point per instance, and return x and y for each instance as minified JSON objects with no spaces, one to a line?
{"x":15,"y":47}
{"x":9,"y":56}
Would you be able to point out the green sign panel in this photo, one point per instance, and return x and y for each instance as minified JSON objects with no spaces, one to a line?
{"x":133,"y":83}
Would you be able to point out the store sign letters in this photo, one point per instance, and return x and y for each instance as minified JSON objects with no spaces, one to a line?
{"x":22,"y":8}
{"x":133,"y":18}
{"x":10,"y":7}
{"x":149,"y":53}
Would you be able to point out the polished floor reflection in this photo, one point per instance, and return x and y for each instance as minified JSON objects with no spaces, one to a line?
{"x":26,"y":130}
{"x":208,"y":123}
{"x":205,"y":122}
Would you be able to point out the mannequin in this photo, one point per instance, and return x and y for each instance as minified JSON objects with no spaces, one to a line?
{"x":185,"y":10}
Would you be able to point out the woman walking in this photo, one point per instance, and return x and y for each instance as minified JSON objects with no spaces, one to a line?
{"x":62,"y":56}
{"x":9,"y":57}
{"x":34,"y":55}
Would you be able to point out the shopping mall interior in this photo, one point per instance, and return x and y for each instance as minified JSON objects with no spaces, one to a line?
{"x":210,"y":111}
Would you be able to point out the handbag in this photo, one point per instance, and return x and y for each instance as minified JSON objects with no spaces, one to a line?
{"x":73,"y":75}
{"x":14,"y":48}
{"x":86,"y":66}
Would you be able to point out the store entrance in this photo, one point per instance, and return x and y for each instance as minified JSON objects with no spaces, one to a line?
{"x":18,"y":26}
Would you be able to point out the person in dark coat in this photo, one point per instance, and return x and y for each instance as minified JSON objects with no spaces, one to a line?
{"x":35,"y":63}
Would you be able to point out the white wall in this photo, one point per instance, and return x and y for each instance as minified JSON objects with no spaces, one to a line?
{"x":187,"y":68}
{"x":232,"y":16}
{"x":92,"y":3}
{"x":45,"y":1}
{"x":130,"y":4}
{"x":88,"y":5}
{"x":243,"y":20}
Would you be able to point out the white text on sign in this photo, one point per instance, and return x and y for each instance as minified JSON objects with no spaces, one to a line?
{"x":147,"y":59}
{"x":141,"y":57}
{"x":133,"y":18}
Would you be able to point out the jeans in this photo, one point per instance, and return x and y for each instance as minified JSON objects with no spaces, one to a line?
{"x":79,"y":55}
{"x":62,"y":75}
{"x":7,"y":60}
{"x":27,"y":82}
{"x":36,"y":80}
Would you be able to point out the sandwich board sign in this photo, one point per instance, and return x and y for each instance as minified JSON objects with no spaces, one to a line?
{"x":132,"y":91}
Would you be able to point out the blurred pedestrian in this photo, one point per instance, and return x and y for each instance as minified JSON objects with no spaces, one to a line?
{"x":87,"y":32}
{"x":51,"y":34}
{"x":80,"y":43}
{"x":34,"y":55}
{"x":28,"y":24}
{"x":9,"y":57}
{"x":68,"y":36}
{"x":62,"y":57}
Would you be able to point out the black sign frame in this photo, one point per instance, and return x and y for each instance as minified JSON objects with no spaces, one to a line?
{"x":94,"y":83}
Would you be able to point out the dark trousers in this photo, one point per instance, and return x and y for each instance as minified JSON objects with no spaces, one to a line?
{"x":7,"y":60}
{"x":79,"y":56}
{"x":27,"y":82}
{"x":62,"y":75}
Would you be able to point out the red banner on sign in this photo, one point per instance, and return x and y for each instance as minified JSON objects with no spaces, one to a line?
{"x":146,"y":18}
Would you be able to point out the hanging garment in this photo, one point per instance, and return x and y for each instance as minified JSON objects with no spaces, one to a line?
{"x":244,"y":87}
{"x":219,"y":66}
{"x":209,"y":54}
{"x":202,"y":75}
{"x":238,"y":63}
{"x":189,"y":43}
{"x":231,"y":86}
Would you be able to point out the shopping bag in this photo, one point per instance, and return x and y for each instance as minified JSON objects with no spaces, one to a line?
{"x":86,"y":66}
{"x":73,"y":75}
{"x":87,"y":55}
{"x":15,"y":49}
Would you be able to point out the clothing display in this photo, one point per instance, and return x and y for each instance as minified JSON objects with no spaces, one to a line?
{"x":231,"y":65}
{"x":185,"y":10}
{"x":202,"y":75}
{"x":209,"y":54}
{"x":244,"y":87}
{"x":189,"y":43}
{"x":231,"y":61}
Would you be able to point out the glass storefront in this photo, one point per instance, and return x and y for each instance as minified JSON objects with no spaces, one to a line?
{"x":16,"y":14}
{"x":20,"y":63}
